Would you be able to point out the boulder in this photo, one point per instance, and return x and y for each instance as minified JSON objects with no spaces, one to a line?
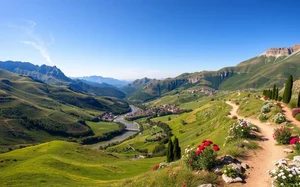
{"x":227,"y":160}
{"x":231,"y":180}
{"x":218,"y":169}
{"x":237,"y":167}
{"x":206,"y":185}
{"x":288,"y":151}
{"x":246,"y":141}
{"x":244,"y":165}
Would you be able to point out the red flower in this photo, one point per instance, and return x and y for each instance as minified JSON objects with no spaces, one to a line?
{"x":207,"y":143}
{"x":201,"y":147}
{"x":184,"y":185}
{"x":216,"y":148}
{"x":190,"y":161}
{"x":203,"y":141}
{"x":294,"y":140}
{"x":198,"y":152}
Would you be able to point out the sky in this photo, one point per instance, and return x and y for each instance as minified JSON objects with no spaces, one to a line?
{"x":129,"y":39}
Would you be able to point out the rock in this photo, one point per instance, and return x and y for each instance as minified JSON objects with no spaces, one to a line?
{"x":206,"y":185}
{"x":231,"y":180}
{"x":227,"y":160}
{"x":246,"y":141}
{"x":288,"y":151}
{"x":218,"y":169}
{"x":244,"y":165}
{"x":237,"y":167}
{"x":296,"y":161}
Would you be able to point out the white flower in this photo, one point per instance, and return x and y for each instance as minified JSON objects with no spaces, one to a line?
{"x":290,"y":175}
{"x":283,"y":177}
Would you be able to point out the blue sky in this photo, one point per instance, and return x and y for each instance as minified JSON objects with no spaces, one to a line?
{"x":130,"y":39}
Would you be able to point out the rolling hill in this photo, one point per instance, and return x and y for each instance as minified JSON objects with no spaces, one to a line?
{"x":54,"y":76}
{"x":271,"y":67}
{"x":99,"y":79}
{"x":32,"y":111}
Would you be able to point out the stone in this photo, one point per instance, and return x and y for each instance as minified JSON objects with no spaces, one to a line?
{"x":231,"y":180}
{"x":244,"y":165}
{"x":237,"y":167}
{"x":206,"y":185}
{"x":296,"y":161}
{"x":246,"y":141}
{"x":227,"y":159}
{"x":218,"y":169}
{"x":288,"y":151}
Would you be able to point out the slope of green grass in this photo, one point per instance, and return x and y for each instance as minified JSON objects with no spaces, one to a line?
{"x":102,"y":127}
{"x":59,"y":163}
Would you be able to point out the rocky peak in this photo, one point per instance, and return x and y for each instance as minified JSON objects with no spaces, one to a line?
{"x":282,"y":51}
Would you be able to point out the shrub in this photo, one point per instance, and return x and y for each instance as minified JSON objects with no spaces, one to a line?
{"x":239,"y":130}
{"x":265,"y":109}
{"x":295,"y":111}
{"x":229,"y":171}
{"x":279,"y":98}
{"x":279,"y":118}
{"x":297,"y":148}
{"x":285,"y":175}
{"x":202,"y":159}
{"x":282,"y":135}
{"x":262,"y":117}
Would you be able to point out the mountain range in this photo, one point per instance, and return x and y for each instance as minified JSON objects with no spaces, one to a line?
{"x":108,"y":80}
{"x":54,"y":76}
{"x":271,"y":67}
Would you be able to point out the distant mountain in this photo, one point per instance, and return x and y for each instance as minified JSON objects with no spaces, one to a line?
{"x":99,"y":79}
{"x":271,"y":67}
{"x":32,"y":111}
{"x":54,"y":76}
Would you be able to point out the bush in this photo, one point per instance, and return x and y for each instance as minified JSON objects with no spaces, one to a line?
{"x":279,"y":98}
{"x":279,"y":118}
{"x":204,"y":158}
{"x":285,"y":175}
{"x":265,"y":109}
{"x":282,"y":135}
{"x":239,"y":130}
{"x":229,"y":171}
{"x":262,"y":117}
{"x":297,"y":148}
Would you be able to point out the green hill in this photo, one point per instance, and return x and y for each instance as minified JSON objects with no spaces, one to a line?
{"x":33,"y":111}
{"x":59,"y":163}
{"x":272,"y":67}
{"x":54,"y":76}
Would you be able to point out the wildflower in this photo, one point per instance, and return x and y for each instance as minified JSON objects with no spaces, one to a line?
{"x":184,"y":185}
{"x":294,"y":140}
{"x":216,"y":148}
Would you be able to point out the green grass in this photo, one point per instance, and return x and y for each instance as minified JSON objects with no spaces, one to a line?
{"x":61,"y":163}
{"x":102,"y":127}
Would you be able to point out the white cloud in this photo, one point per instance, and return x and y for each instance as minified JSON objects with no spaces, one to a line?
{"x":36,"y":41}
{"x":41,"y":48}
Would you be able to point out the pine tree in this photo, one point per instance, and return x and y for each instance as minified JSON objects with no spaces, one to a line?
{"x":177,"y":150}
{"x":277,"y":94}
{"x":287,"y":94}
{"x":274,"y":92}
{"x":170,"y":155}
{"x":298,"y":103}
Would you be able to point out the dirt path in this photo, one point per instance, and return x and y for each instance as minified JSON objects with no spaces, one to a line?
{"x":261,"y":160}
{"x":288,"y":114}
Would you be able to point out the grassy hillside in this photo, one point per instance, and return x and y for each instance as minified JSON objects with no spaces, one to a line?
{"x":30,"y":108}
{"x":61,"y":163}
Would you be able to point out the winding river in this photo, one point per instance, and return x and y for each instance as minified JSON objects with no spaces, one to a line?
{"x":129,"y":125}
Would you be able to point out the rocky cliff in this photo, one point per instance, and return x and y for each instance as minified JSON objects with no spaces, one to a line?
{"x":282,"y":51}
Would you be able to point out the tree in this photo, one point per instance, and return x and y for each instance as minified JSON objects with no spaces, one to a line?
{"x":287,"y":94}
{"x":274,"y":92}
{"x":170,"y":155}
{"x":298,"y":103}
{"x":277,"y":94}
{"x":177,"y":150}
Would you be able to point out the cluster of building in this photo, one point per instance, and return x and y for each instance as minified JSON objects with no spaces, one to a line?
{"x":203,"y":90}
{"x":156,"y":110}
{"x":107,"y":117}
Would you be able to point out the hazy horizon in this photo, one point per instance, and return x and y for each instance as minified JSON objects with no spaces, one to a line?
{"x":134,"y":39}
